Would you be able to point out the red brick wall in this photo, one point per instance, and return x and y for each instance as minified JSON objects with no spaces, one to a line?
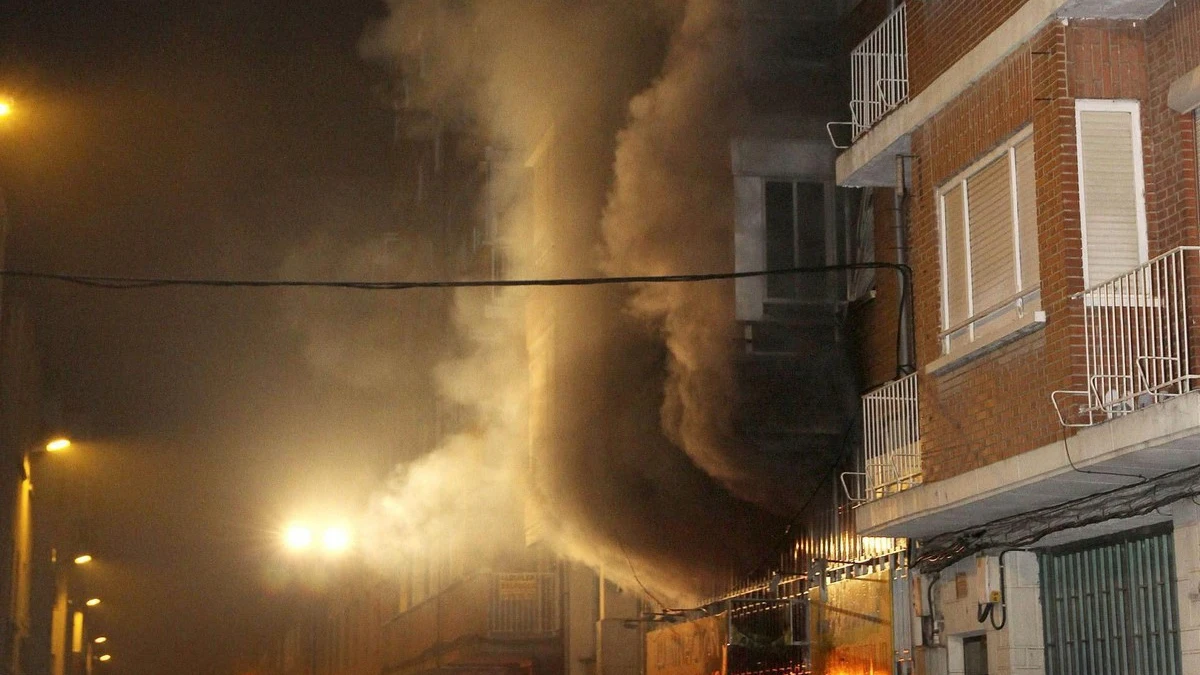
{"x":1172,"y":49}
{"x":998,"y":405}
{"x":940,"y":32}
{"x":875,"y":322}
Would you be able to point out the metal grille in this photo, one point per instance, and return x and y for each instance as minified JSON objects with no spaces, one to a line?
{"x":524,"y":604}
{"x":1112,"y":609}
{"x":892,"y":438}
{"x":1136,"y":340}
{"x":879,"y":73}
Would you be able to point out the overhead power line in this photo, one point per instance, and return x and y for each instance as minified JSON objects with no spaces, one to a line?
{"x":136,"y":283}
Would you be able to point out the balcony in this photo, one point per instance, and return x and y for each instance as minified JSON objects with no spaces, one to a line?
{"x":1136,"y":411}
{"x":891,"y":458}
{"x":878,"y":75}
{"x":1135,"y":339}
{"x":486,"y":619}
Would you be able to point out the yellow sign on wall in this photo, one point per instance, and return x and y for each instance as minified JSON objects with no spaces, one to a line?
{"x":692,"y":648}
{"x":851,"y":628}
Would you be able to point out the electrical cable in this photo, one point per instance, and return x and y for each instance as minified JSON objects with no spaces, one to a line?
{"x":138,"y":283}
{"x":636,"y":578}
{"x":1067,"y":449}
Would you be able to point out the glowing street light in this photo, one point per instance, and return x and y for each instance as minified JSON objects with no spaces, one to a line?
{"x":83,"y":559}
{"x":92,"y":602}
{"x":105,"y":657}
{"x":100,"y":640}
{"x":58,"y":444}
{"x":6,"y":108}
{"x":336,"y":539}
{"x":297,"y":537}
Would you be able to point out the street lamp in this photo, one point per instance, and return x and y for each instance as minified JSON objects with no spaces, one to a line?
{"x":299,"y":539}
{"x":100,"y":640}
{"x":58,"y":444}
{"x":83,"y":559}
{"x":92,"y":602}
{"x":104,"y":657}
{"x":6,"y":108}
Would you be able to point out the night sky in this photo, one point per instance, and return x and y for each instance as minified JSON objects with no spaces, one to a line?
{"x":201,"y":139}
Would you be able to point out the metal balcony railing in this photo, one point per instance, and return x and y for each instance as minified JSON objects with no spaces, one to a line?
{"x":891,"y":441}
{"x":1135,"y":336}
{"x":878,"y":75}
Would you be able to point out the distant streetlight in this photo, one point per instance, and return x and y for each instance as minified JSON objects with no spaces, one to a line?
{"x":100,"y":640}
{"x":92,"y":602}
{"x":58,"y":444}
{"x":297,"y":537}
{"x":336,"y":539}
{"x":6,"y":108}
{"x":83,"y":559}
{"x":105,"y":657}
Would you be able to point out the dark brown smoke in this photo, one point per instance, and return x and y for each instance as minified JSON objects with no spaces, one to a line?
{"x":636,"y":464}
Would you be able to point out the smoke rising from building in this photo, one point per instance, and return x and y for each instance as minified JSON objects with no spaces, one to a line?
{"x":608,"y":411}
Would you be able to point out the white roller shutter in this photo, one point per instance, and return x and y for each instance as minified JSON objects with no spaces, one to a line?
{"x":1027,"y":222}
{"x":955,"y":252}
{"x":990,"y":212}
{"x":1110,"y":180}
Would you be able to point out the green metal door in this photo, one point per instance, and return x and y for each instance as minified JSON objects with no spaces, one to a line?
{"x":1110,"y":607}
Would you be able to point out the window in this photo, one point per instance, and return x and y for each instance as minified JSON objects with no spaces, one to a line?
{"x":990,"y":274}
{"x":795,"y":222}
{"x":1111,"y":188}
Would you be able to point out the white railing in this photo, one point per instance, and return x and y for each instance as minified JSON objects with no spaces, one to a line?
{"x":1135,"y":336}
{"x":891,"y":439}
{"x":879,"y":73}
{"x":524,"y":604}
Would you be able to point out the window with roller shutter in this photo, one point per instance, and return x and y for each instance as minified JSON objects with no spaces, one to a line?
{"x":990,"y":272}
{"x":1111,"y":188}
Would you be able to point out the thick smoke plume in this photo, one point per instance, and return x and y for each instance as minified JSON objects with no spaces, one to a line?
{"x":608,"y":411}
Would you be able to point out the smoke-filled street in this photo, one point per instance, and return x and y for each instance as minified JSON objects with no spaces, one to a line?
{"x":617,"y":337}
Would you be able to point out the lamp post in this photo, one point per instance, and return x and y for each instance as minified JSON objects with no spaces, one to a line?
{"x":66,"y":625}
{"x":300,"y":540}
{"x":22,"y":548}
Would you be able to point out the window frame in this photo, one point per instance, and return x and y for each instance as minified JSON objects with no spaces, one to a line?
{"x":1133,"y":107}
{"x":1026,"y":301}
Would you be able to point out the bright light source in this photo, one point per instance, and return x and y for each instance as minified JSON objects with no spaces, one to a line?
{"x":297,"y":537}
{"x":5,"y":108}
{"x":93,"y":602}
{"x":83,"y":559}
{"x":336,"y":539}
{"x":100,"y":640}
{"x":106,"y":657}
{"x":58,"y":444}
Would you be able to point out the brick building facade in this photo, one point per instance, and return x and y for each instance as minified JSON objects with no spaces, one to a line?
{"x":1045,"y":156}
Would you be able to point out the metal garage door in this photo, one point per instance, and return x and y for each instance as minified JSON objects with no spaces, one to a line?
{"x":1110,"y":606}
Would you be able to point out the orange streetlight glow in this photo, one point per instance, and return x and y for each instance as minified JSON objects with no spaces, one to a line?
{"x":83,"y":559}
{"x":100,"y":640}
{"x":58,"y":444}
{"x":297,"y":537}
{"x":93,"y":602}
{"x":336,"y":539}
{"x":6,"y":108}
{"x":106,"y":657}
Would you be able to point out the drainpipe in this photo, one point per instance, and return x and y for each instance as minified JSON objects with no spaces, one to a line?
{"x":905,"y":354}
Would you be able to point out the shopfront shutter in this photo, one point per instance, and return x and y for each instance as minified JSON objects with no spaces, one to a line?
{"x":1027,"y":222}
{"x":955,"y":242}
{"x":1111,"y":607}
{"x":990,"y":212}
{"x":1109,"y":192}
